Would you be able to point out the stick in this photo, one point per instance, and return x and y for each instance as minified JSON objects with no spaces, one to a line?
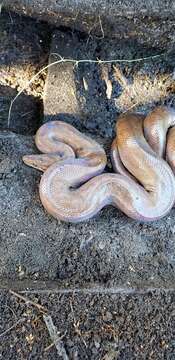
{"x":28,"y":301}
{"x":54,"y":337}
{"x":12,"y":327}
{"x":52,"y":344}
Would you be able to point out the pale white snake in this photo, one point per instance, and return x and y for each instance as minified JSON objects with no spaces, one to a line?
{"x":74,"y":188}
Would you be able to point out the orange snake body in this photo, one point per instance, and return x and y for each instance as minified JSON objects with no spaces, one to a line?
{"x":74,"y":188}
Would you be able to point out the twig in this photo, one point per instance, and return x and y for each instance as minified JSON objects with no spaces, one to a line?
{"x":8,"y":307}
{"x":101,"y":28}
{"x":118,"y":74}
{"x":108,"y":82}
{"x":94,"y":26}
{"x":49,"y":347}
{"x":76,"y":62}
{"x":28,"y":301}
{"x":85,"y":84}
{"x":99,"y":61}
{"x":27,"y":113}
{"x":76,"y":325}
{"x":10,"y":16}
{"x":54,"y":336}
{"x":132,"y":106}
{"x":12,"y":327}
{"x":90,"y":30}
{"x":52,"y":344}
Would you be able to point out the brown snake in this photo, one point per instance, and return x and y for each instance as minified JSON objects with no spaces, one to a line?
{"x":74,"y":188}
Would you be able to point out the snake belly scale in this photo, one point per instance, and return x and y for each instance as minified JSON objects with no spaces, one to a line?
{"x":74,"y":186}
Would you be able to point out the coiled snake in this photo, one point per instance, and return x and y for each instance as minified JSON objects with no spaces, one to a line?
{"x":74,"y":187}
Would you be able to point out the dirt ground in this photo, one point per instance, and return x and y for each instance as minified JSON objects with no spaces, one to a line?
{"x":91,"y":326}
{"x":150,"y":23}
{"x":110,"y":251}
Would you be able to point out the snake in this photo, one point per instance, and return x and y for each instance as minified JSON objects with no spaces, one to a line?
{"x":75,"y":184}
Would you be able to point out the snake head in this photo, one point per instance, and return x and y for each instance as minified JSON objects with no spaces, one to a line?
{"x":41,"y":162}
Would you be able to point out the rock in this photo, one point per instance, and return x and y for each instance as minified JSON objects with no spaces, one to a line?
{"x":108,"y":316}
{"x":97,"y":341}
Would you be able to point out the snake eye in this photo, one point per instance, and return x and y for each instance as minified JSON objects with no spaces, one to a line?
{"x":72,"y":188}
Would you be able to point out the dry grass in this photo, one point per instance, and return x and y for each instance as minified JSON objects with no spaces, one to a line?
{"x":145,"y":90}
{"x":18,"y":76}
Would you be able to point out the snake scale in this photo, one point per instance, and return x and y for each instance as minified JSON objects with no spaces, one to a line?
{"x":74,"y":186}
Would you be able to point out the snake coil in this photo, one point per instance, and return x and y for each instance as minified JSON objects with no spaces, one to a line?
{"x":74,"y":187}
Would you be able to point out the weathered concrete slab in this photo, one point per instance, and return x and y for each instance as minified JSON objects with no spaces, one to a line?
{"x":60,"y":88}
{"x":77,"y":93}
{"x":91,"y":326}
{"x":109,"y":249}
{"x":144,"y":21}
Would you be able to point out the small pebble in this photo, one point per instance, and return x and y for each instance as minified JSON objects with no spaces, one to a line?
{"x":108,"y":316}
